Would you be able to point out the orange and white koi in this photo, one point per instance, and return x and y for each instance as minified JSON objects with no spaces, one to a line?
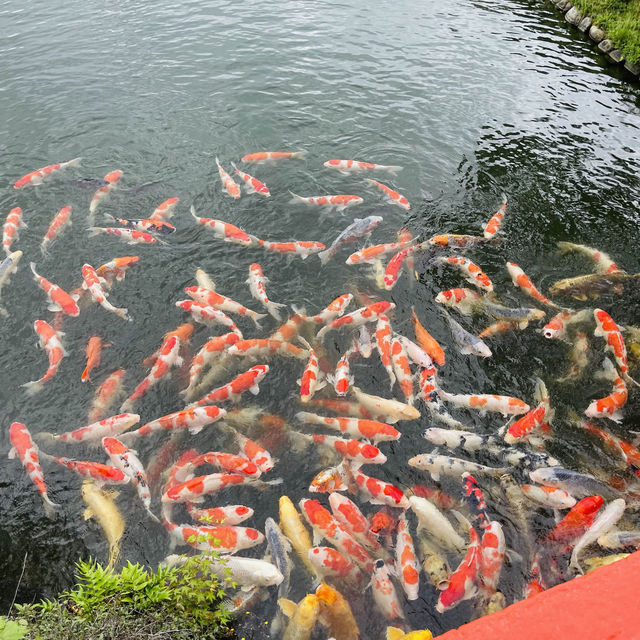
{"x":209,"y":351}
{"x":577,"y":521}
{"x":499,"y":327}
{"x":130,"y":236}
{"x":106,"y":394}
{"x":493,"y":226}
{"x":384,"y":593}
{"x":610,"y":406}
{"x":339,"y":202}
{"x":262,"y":157}
{"x":223,"y":539}
{"x":310,"y":381}
{"x":557,"y":327}
{"x":329,"y":562}
{"x":290,"y":329}
{"x":230,"y":515}
{"x":194,"y":420}
{"x":168,"y":357}
{"x":148,"y":225}
{"x":59,"y":300}
{"x":337,"y":405}
{"x":51,"y":342}
{"x":536,"y":584}
{"x":164,"y":211}
{"x":257,"y":281}
{"x":303,"y":248}
{"x":355,"y":427}
{"x":393,"y":197}
{"x":606,"y":328}
{"x":348,"y":166}
{"x":228,"y":462}
{"x":461,"y":299}
{"x":533,"y":421}
{"x":458,"y":241}
{"x":394,"y":268}
{"x":463,"y":581}
{"x":232,"y":391}
{"x":101,"y":474}
{"x":92,"y":282}
{"x":602,"y":262}
{"x":262,"y":347}
{"x":427,"y":383}
{"x":629,"y":453}
{"x":402,"y":370}
{"x":551,"y":497}
{"x":427,"y":341}
{"x":27,"y":451}
{"x":382,"y":337}
{"x":377,"y":491}
{"x":218,"y":301}
{"x":325,"y":525}
{"x":371,"y":254}
{"x":103,"y":192}
{"x":492,"y":550}
{"x":342,"y":378}
{"x":347,"y":513}
{"x":475,"y":500}
{"x":93,"y":351}
{"x":231,"y":187}
{"x":40,"y":175}
{"x":251,"y":184}
{"x":354,"y":450}
{"x":388,"y":409}
{"x":370,"y":313}
{"x":331,"y":479}
{"x":11,"y":229}
{"x":207,"y":315}
{"x":254,"y":452}
{"x":116,"y":268}
{"x":194,"y":489}
{"x":225,"y":231}
{"x":407,"y":566}
{"x":473,"y":273}
{"x":183,"y":332}
{"x":333,"y":311}
{"x":521,"y":280}
{"x":94,"y":432}
{"x":506,"y":405}
{"x":126,"y":460}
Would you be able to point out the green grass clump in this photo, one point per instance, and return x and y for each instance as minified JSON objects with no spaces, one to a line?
{"x":183,"y":603}
{"x":620,"y":19}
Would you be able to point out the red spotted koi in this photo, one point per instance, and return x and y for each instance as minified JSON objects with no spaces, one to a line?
{"x":458,"y":241}
{"x":11,"y":229}
{"x":626,"y":450}
{"x":338,"y":202}
{"x":207,"y":354}
{"x":164,"y":211}
{"x":116,"y":268}
{"x":182,"y":332}
{"x":251,"y":184}
{"x":263,"y":347}
{"x":475,"y":500}
{"x":108,"y":427}
{"x":463,"y":300}
{"x":106,"y":394}
{"x":521,"y":280}
{"x":27,"y":451}
{"x":289,"y":330}
{"x":492,"y":550}
{"x":557,"y":327}
{"x":347,"y":407}
{"x":551,"y":497}
{"x":228,"y":462}
{"x":348,"y":166}
{"x":51,"y":342}
{"x":347,"y":513}
{"x":607,"y":329}
{"x":130,"y":236}
{"x":370,"y":313}
{"x":371,"y":254}
{"x":378,"y":492}
{"x":231,"y":187}
{"x":427,"y":382}
{"x":611,"y":405}
{"x":59,"y":300}
{"x":407,"y":566}
{"x":93,"y":283}
{"x":331,"y":563}
{"x":232,"y":391}
{"x":334,"y":310}
{"x":473,"y":273}
{"x":342,"y":378}
{"x":207,"y":315}
{"x":356,"y":427}
{"x":148,"y":225}
{"x":309,"y":382}
{"x":254,"y":452}
{"x":506,"y":405}
{"x":194,"y":489}
{"x":213,"y":299}
{"x":257,"y":281}
{"x":230,"y":515}
{"x":262,"y":157}
{"x":402,"y":370}
{"x":393,"y":197}
{"x":101,"y":474}
{"x":303,"y":248}
{"x":194,"y":420}
{"x":103,"y":192}
{"x":40,"y":175}
{"x":224,"y":539}
{"x":493,"y":226}
{"x":384,"y":593}
{"x":93,"y":351}
{"x":354,"y":450}
{"x":225,"y":231}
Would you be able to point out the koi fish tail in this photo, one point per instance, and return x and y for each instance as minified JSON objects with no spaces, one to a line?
{"x":47,"y":437}
{"x":299,"y":155}
{"x":325,"y":256}
{"x":296,"y":198}
{"x":33,"y":387}
{"x":256,"y":317}
{"x":75,"y":162}
{"x":50,"y":507}
{"x":114,"y":552}
{"x":85,"y":375}
{"x":628,"y":379}
{"x":153,"y":516}
{"x":127,"y":406}
{"x":43,"y":248}
{"x":109,"y":218}
{"x":272,"y":308}
{"x":3,"y":312}
{"x":94,"y":231}
{"x":393,"y":169}
{"x":123,"y":314}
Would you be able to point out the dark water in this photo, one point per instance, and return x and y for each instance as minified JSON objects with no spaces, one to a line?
{"x":473,"y":99}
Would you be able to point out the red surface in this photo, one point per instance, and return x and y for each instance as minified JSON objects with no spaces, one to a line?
{"x":604,"y":605}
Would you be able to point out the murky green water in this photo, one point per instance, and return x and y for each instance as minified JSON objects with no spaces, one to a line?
{"x":473,"y":99}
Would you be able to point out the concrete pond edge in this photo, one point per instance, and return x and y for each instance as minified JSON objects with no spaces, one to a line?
{"x":585,"y":24}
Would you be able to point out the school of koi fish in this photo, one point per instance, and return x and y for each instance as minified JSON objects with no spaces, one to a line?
{"x":457,"y":535}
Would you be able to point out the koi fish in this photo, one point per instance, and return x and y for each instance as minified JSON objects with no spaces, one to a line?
{"x":402,"y":370}
{"x":102,"y":193}
{"x":427,"y":383}
{"x":521,"y":315}
{"x":364,"y":343}
{"x":11,"y":229}
{"x":262,"y":347}
{"x":593,"y":285}
{"x":342,"y":379}
{"x":195,"y":420}
{"x":194,"y":489}
{"x":371,"y":254}
{"x":577,"y":484}
{"x":131,"y":236}
{"x":59,"y":300}
{"x":51,"y":342}
{"x":550,"y":497}
{"x":499,"y":327}
{"x":96,"y":431}
{"x":167,"y":358}
{"x":356,"y":427}
{"x":209,"y":351}
{"x":116,"y":268}
{"x":466,"y":342}
{"x":337,"y":405}
{"x":93,"y":283}
{"x":602,"y":262}
{"x":247,"y":381}
{"x":356,"y":318}
{"x":148,"y":225}
{"x":302,"y":616}
{"x":377,"y":491}
{"x":472,"y":272}
{"x":207,"y":315}
{"x":228,"y":182}
{"x":254,"y":452}
{"x":226,"y":462}
{"x":461,"y":299}
{"x":438,"y":465}
{"x":435,"y":523}
{"x":521,"y":280}
{"x":384,"y":593}
{"x":393,"y":197}
{"x":463,"y":581}
{"x":610,"y":406}
{"x":457,"y":241}
{"x":310,"y":382}
{"x":223,"y":539}
{"x":262,"y":157}
{"x":8,"y":267}
{"x":348,"y":514}
{"x":101,"y":474}
{"x":213,"y":299}
{"x":493,"y":226}
{"x":27,"y":451}
{"x":296,"y":532}
{"x":475,"y":500}
{"x":427,"y":341}
{"x":224,"y":230}
{"x":391,"y":409}
{"x":492,"y":550}
{"x":256,"y":282}
{"x":354,"y":450}
{"x":406,"y":563}
{"x":619,"y":539}
{"x":393,"y":633}
{"x":164,"y":211}
{"x":40,"y":175}
{"x":106,"y":394}
{"x":607,"y":329}
{"x":359,"y":228}
{"x":506,"y":405}
{"x":577,"y":521}
{"x":557,"y":327}
{"x":183,"y":333}
{"x":93,"y":351}
{"x":533,"y":420}
{"x":383,"y":345}
{"x":626,"y":450}
{"x":334,"y":310}
{"x":329,"y":562}
{"x":251,"y":184}
{"x":339,"y":202}
{"x":578,"y":357}
{"x":303,"y":248}
{"x":230,"y":515}
{"x":348,"y":166}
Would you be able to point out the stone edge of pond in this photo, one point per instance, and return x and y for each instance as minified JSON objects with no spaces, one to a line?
{"x":585,"y":24}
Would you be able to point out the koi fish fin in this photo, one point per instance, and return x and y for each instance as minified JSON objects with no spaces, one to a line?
{"x":272,"y":308}
{"x":274,"y":482}
{"x":33,"y":387}
{"x":287,"y":607}
{"x":393,"y":169}
{"x":629,"y":380}
{"x":325,"y":256}
{"x":94,"y":231}
{"x":317,"y":538}
{"x":193,"y":213}
{"x":50,"y":507}
{"x":88,"y":513}
{"x":393,"y":633}
{"x":74,"y":163}
{"x":256,"y":317}
{"x":85,"y":375}
{"x":255,"y":389}
{"x":299,"y":155}
{"x":12,"y":453}
{"x":153,"y":516}
{"x":296,"y":198}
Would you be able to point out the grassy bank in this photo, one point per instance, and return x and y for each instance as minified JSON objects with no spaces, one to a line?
{"x":620,"y":19}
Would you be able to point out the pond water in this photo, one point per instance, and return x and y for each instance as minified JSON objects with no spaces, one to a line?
{"x":472,"y":99}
